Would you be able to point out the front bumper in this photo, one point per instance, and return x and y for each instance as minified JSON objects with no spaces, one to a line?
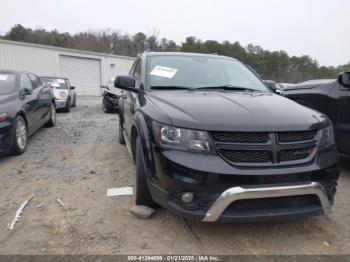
{"x":112,"y":99}
{"x":60,"y":103}
{"x":5,"y":137}
{"x":242,"y":194}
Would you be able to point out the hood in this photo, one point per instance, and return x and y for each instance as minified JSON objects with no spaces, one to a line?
{"x":235,"y":111}
{"x":8,"y":104}
{"x":4,"y":99}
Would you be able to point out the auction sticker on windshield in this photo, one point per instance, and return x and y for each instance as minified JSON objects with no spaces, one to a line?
{"x":164,"y":71}
{"x":3,"y":77}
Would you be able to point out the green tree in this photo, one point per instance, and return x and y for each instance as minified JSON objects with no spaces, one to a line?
{"x":274,"y":65}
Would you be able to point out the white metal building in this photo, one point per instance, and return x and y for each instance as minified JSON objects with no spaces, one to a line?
{"x":85,"y":70}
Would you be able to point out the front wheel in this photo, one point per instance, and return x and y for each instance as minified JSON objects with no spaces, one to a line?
{"x":19,"y":135}
{"x":67,"y":107}
{"x":142,"y":195}
{"x":52,"y":121}
{"x":75,"y":101}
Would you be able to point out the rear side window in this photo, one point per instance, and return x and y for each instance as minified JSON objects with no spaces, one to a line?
{"x":7,"y":83}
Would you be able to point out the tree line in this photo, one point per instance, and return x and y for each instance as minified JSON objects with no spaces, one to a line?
{"x":273,"y":65}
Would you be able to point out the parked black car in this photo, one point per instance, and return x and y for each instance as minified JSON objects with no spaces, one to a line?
{"x":26,"y":104}
{"x":212,"y":142}
{"x":331,"y":97}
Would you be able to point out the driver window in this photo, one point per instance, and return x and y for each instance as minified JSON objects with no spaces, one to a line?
{"x":137,"y":73}
{"x":35,"y":81}
{"x":132,"y":70}
{"x":26,"y":82}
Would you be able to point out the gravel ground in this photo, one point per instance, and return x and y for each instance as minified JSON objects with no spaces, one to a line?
{"x":80,"y":158}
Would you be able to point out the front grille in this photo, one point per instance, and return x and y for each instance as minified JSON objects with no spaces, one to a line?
{"x":273,"y":203}
{"x":246,"y":156}
{"x":297,"y":136}
{"x":241,"y":137}
{"x":266,"y":148}
{"x":294,"y":154}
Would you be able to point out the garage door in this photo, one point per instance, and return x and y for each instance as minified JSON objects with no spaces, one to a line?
{"x":83,"y":73}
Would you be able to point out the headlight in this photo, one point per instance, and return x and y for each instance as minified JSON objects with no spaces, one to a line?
{"x":183,"y":139}
{"x":326,"y":138}
{"x":62,"y":95}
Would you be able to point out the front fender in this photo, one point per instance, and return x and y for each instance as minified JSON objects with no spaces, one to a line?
{"x":144,"y":131}
{"x":121,"y":108}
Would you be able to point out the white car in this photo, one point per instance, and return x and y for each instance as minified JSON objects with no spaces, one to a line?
{"x":65,"y":96}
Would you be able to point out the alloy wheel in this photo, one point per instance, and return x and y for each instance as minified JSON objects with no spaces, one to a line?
{"x":21,"y":134}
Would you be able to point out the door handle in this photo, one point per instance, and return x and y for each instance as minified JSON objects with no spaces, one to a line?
{"x":124,"y":96}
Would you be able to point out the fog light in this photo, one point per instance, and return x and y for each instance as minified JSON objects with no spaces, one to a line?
{"x":187,"y":197}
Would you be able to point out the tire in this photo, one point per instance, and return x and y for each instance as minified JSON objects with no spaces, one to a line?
{"x":142,"y":194}
{"x":52,"y":121}
{"x":19,"y":136}
{"x":121,"y":138}
{"x":107,"y":106}
{"x":75,"y":101}
{"x":67,"y":107}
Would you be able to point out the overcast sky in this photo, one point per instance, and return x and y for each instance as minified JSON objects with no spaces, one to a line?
{"x":319,"y":28}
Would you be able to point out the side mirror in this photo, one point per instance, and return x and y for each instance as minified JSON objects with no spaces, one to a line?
{"x":273,"y":86}
{"x":344,"y":79}
{"x":27,"y":91}
{"x":126,"y":82}
{"x":72,"y":87}
{"x":279,"y":89}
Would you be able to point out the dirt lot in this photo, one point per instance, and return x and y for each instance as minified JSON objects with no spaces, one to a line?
{"x":80,"y":158}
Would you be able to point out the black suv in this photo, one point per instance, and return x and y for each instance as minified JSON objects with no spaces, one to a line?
{"x":331,"y":97}
{"x":212,"y":142}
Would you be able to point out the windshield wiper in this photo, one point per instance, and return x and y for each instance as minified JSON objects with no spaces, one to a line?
{"x":229,"y":87}
{"x":172,"y":87}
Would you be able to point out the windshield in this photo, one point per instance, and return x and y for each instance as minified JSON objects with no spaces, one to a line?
{"x":200,"y":72}
{"x":7,"y":83}
{"x":58,"y":83}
